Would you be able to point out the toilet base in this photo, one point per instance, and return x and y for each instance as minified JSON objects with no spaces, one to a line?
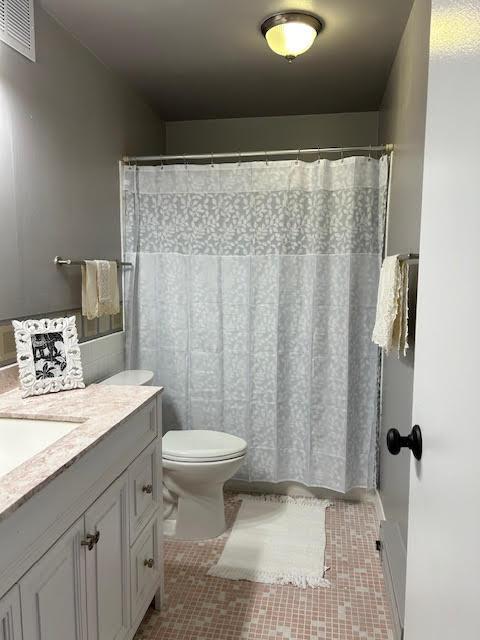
{"x":202,"y":516}
{"x":197,"y":488}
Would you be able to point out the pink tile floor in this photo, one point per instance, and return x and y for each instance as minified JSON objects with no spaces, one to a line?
{"x":200,"y":607}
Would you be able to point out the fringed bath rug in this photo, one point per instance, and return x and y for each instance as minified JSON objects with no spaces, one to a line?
{"x":276,"y":540}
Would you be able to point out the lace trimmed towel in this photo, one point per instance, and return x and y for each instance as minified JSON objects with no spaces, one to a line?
{"x":100,"y":293}
{"x":391,"y":324}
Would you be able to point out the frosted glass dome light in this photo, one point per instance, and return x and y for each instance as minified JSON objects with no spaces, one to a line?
{"x":291,"y":34}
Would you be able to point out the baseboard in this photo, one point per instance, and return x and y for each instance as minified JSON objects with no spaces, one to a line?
{"x":377,"y":501}
{"x":394,"y":562}
{"x":296,"y":489}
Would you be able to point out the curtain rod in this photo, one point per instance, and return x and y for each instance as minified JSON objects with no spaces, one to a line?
{"x":387,"y":148}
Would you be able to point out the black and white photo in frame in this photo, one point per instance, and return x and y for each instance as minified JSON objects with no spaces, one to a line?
{"x":48,"y":355}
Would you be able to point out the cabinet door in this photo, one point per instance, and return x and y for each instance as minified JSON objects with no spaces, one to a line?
{"x":10,"y":623}
{"x":107,"y":566}
{"x":53,"y":591}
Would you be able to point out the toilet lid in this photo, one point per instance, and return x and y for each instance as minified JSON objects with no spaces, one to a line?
{"x":201,"y":445}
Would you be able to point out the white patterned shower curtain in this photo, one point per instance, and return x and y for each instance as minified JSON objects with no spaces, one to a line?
{"x":252,"y":298}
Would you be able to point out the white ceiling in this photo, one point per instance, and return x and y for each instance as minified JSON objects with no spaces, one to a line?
{"x":207,"y":58}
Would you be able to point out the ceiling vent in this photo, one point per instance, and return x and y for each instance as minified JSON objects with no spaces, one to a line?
{"x":17,"y":26}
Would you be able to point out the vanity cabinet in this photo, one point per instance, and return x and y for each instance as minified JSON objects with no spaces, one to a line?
{"x":97,"y":579}
{"x":10,"y":621}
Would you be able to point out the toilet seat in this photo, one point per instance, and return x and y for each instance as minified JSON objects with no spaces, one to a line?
{"x":201,"y":445}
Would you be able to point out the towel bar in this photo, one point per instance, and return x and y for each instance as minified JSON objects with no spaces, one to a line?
{"x":58,"y":260}
{"x":409,"y":256}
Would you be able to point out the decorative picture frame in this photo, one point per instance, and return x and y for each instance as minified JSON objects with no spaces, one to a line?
{"x":48,"y":356}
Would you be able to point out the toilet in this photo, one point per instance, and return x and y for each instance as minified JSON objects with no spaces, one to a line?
{"x":196,"y":464}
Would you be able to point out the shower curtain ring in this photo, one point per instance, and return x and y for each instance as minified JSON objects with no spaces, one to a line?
{"x":211,"y":160}
{"x":318,"y":158}
{"x":298,"y":157}
{"x":266,"y":158}
{"x":185,"y":163}
{"x":370,"y":152}
{"x":239,"y":158}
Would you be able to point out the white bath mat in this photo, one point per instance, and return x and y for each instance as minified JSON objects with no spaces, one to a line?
{"x":276,"y":540}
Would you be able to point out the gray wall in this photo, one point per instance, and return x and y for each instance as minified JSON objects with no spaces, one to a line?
{"x":65,"y":121}
{"x":402,"y":121}
{"x":279,"y":132}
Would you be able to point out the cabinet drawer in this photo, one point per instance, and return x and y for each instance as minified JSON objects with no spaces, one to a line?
{"x":146,"y":566}
{"x":144,"y":478}
{"x":145,"y":422}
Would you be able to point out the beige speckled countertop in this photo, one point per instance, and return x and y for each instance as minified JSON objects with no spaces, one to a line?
{"x":99,"y":408}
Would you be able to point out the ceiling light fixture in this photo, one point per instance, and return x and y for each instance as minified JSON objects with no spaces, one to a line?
{"x":291,"y":33}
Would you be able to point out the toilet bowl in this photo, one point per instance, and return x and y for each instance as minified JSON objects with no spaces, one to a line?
{"x":196,"y":465}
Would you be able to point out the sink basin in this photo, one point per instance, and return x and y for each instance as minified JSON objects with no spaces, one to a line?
{"x":21,"y":439}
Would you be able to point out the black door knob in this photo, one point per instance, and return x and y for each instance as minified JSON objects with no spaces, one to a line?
{"x":413,"y":441}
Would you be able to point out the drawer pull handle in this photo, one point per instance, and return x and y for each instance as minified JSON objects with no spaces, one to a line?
{"x":149,"y":563}
{"x":90,"y":540}
{"x":147,"y":488}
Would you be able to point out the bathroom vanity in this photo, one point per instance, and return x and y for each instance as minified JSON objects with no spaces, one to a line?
{"x":80,"y":521}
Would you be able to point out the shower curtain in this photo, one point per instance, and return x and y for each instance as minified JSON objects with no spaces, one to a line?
{"x":252,"y":298}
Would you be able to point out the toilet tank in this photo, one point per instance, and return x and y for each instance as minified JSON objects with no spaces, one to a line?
{"x":136,"y":377}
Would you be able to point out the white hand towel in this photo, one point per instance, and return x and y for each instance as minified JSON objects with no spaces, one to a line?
{"x":89,"y":290}
{"x":100,"y":292}
{"x":391,"y":324}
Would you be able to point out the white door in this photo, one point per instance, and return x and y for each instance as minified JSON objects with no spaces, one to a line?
{"x":53,"y":591}
{"x":107,"y":564}
{"x":443,"y":561}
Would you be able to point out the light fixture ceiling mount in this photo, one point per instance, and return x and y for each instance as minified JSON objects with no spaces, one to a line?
{"x":291,"y":33}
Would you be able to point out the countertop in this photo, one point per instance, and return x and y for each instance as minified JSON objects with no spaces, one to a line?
{"x":99,"y":408}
